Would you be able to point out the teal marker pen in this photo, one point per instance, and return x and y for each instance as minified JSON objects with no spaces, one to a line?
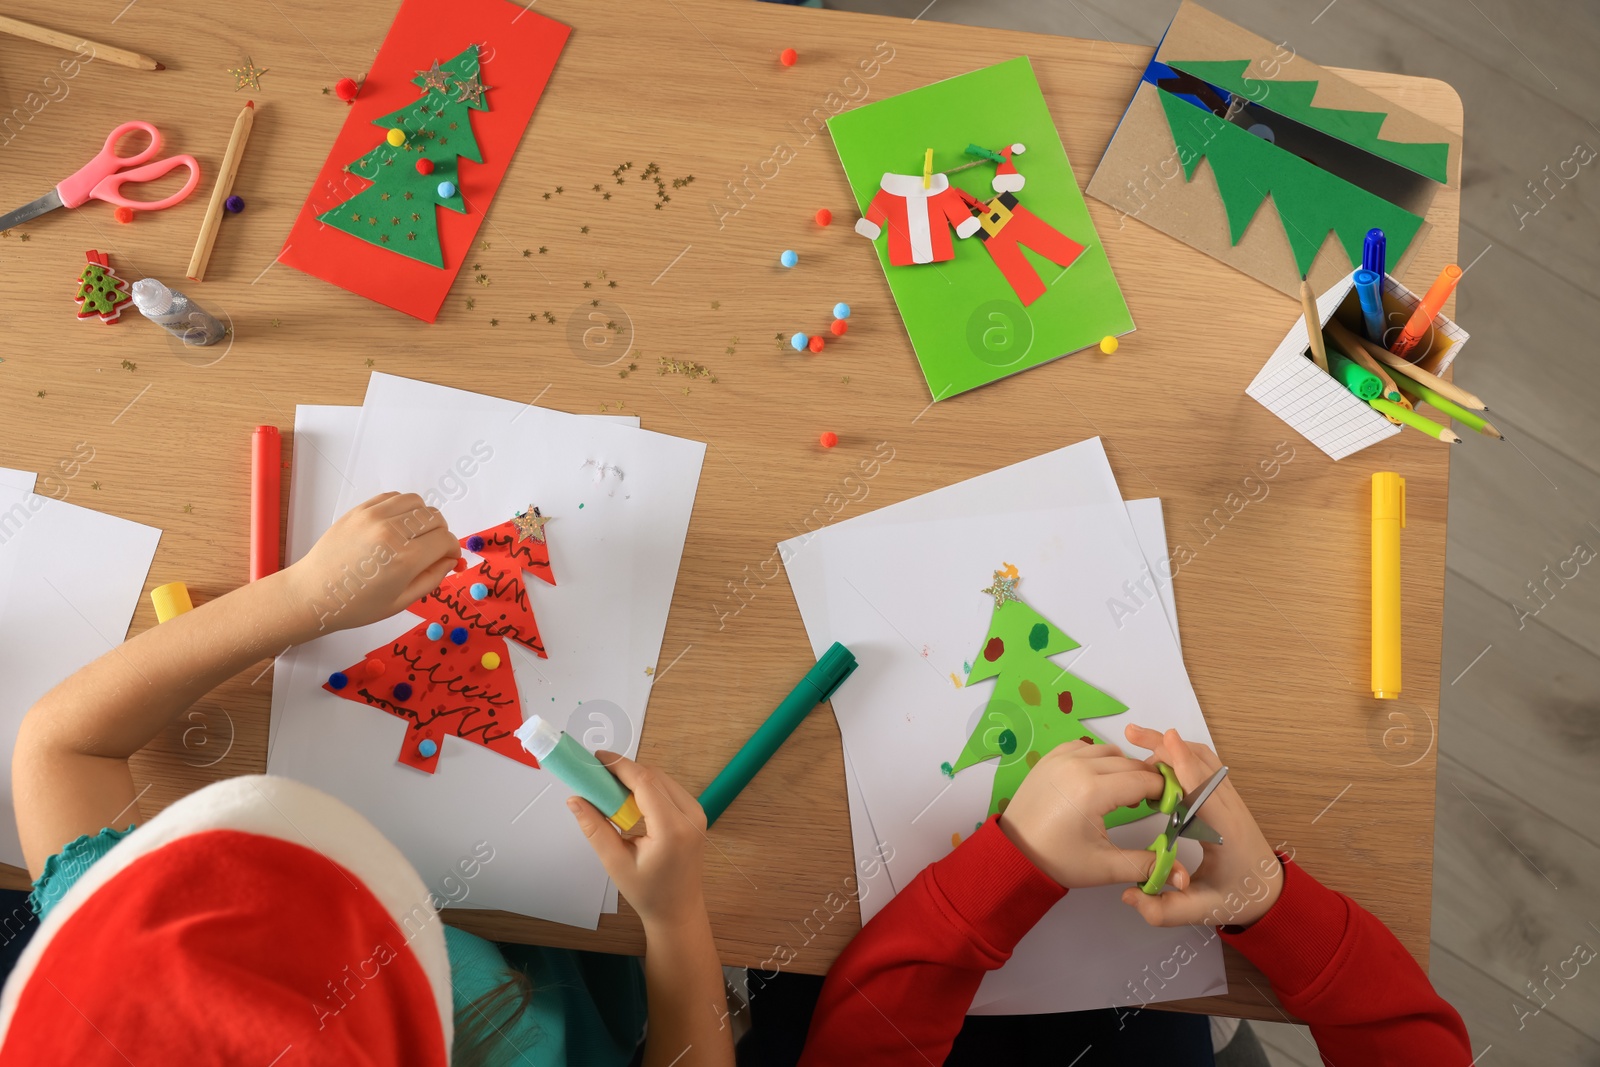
{"x":577,"y":767}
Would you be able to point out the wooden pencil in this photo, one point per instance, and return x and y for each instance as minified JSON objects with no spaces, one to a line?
{"x":1313,"y":324}
{"x":82,"y":45}
{"x":1431,"y":380}
{"x":219,"y":193}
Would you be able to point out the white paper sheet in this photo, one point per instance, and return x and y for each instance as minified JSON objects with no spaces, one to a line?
{"x":15,"y":479}
{"x":898,"y":596}
{"x":615,"y":559}
{"x":72,"y":579}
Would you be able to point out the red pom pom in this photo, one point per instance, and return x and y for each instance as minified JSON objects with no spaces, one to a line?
{"x":424,"y":166}
{"x":346,"y":89}
{"x":815,"y":344}
{"x":123,"y":214}
{"x":824,"y":216}
{"x":839,"y":327}
{"x":829,"y":439}
{"x":788,"y":56}
{"x":459,"y":565}
{"x":373,"y":668}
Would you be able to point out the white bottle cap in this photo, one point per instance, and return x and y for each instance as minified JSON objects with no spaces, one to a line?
{"x":538,"y":737}
{"x":151,"y":297}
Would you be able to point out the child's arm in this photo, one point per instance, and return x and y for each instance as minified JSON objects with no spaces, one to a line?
{"x":899,"y":992}
{"x":659,"y":874}
{"x":70,"y":768}
{"x":1331,"y":962}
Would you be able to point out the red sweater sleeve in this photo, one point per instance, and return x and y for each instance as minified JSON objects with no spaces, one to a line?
{"x":1336,"y":966}
{"x":899,"y":992}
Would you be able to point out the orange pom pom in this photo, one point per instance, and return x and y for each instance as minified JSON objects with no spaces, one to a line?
{"x":123,"y":214}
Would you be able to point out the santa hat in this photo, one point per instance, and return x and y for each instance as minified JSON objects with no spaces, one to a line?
{"x":255,"y":920}
{"x":1006,"y":179}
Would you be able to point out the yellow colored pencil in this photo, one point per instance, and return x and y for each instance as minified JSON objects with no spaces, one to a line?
{"x":1410,"y":418}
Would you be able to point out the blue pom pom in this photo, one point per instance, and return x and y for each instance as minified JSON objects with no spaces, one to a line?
{"x":789,"y":258}
{"x":841,"y":311}
{"x":474,"y":543}
{"x":799,"y":341}
{"x":446,"y":190}
{"x":478,"y":590}
{"x":402,"y":691}
{"x":459,"y":635}
{"x":234,"y":204}
{"x":435,"y":631}
{"x":427,"y":749}
{"x":338,"y":679}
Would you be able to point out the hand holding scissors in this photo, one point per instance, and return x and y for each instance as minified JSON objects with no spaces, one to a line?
{"x":103,"y":177}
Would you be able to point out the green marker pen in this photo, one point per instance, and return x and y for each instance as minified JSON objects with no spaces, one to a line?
{"x":577,"y":767}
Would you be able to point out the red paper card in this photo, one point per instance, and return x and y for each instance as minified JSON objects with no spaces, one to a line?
{"x":517,"y":50}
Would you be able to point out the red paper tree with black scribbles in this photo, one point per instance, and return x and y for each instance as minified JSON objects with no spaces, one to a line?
{"x":450,"y":675}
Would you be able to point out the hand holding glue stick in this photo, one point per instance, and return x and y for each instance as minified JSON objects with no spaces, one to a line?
{"x":657,"y":863}
{"x":581,"y":772}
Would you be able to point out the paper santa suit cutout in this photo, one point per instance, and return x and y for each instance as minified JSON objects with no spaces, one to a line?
{"x":1006,"y":227}
{"x":450,"y":675}
{"x":918,"y":219}
{"x":1006,"y":179}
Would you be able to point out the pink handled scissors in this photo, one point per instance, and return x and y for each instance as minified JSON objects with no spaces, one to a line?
{"x":105,"y":175}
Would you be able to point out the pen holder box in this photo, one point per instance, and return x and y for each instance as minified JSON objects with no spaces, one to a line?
{"x":1317,"y":405}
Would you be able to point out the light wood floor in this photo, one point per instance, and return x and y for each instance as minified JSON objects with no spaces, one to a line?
{"x":1517,"y":848}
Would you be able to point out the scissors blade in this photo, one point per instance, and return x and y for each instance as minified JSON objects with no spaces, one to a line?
{"x":28,"y":212}
{"x":1190,"y":805}
{"x":1197,"y":830}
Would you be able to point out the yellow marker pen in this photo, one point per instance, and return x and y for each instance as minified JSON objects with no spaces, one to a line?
{"x":1388,"y":519}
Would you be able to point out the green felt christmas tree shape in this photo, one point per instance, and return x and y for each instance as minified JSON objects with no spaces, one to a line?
{"x":1292,"y":99}
{"x":397,"y":211}
{"x":1036,"y":705}
{"x":100,"y":291}
{"x":1310,"y":201}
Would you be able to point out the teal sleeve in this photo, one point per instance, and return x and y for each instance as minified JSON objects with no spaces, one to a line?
{"x":62,"y":871}
{"x":588,"y":1009}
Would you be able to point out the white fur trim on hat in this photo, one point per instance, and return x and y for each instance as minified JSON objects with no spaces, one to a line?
{"x":292,"y":812}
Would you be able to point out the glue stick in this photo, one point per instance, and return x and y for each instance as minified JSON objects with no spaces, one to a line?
{"x":176,"y":313}
{"x":578,"y":768}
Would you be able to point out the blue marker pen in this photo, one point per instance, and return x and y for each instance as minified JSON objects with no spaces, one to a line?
{"x":1371,"y":304}
{"x":1373,"y":252}
{"x":577,"y":767}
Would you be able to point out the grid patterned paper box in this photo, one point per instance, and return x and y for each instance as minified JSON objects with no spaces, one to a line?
{"x":1295,"y":389}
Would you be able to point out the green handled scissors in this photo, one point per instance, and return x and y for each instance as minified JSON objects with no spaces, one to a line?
{"x":1179,"y":808}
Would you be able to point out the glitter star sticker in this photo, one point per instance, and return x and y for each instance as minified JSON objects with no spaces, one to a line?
{"x":1004,"y":587}
{"x":433,"y":78}
{"x":247,"y":75}
{"x":471,"y":89}
{"x":530,"y":525}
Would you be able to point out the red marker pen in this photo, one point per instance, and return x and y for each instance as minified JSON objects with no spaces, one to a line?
{"x":266,"y":451}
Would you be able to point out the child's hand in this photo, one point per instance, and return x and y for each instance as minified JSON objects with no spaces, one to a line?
{"x":378,"y":558}
{"x":658,"y":871}
{"x":1241,"y":878}
{"x":1057,"y":818}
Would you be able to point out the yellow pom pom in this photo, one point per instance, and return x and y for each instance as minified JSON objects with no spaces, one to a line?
{"x":490,"y":661}
{"x":1108,"y":344}
{"x":397,"y":137}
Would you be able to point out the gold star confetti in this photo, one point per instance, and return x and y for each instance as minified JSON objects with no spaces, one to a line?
{"x":494,"y":322}
{"x":1004,"y":587}
{"x":526,"y":252}
{"x":543,"y":249}
{"x":371,"y":361}
{"x":583,"y":229}
{"x":530,"y":525}
{"x":433,"y":78}
{"x":472,"y":91}
{"x":188,"y":509}
{"x":94,"y":485}
{"x":128,"y":364}
{"x":247,"y":75}
{"x":41,"y":392}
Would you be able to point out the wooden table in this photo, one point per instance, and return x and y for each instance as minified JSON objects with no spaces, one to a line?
{"x":1273,"y":604}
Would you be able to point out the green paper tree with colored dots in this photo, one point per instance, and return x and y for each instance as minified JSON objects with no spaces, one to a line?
{"x":398,"y":211}
{"x":1036,"y":705}
{"x":100,"y":291}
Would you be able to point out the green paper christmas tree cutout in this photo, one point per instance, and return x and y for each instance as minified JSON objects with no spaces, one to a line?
{"x":1036,"y":705}
{"x":100,"y":292}
{"x":1292,"y":99}
{"x":397,"y":212}
{"x":1309,"y":201}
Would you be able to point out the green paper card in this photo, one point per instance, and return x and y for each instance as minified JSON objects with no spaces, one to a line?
{"x":979,"y":316}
